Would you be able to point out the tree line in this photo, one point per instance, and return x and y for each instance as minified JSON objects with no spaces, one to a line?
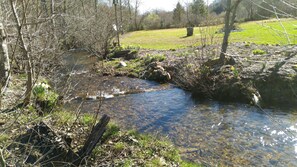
{"x":199,"y":13}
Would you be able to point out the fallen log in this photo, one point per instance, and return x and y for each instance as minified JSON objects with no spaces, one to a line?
{"x":95,"y":136}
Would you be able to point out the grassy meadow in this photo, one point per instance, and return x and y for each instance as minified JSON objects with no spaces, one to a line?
{"x":259,"y":32}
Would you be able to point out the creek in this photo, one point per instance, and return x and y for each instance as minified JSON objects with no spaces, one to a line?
{"x":207,"y":132}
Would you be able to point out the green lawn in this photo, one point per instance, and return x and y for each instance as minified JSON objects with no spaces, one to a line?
{"x":259,"y":32}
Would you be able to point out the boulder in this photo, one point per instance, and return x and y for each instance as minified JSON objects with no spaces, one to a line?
{"x":156,"y":72}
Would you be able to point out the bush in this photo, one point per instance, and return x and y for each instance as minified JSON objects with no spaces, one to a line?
{"x":45,"y":97}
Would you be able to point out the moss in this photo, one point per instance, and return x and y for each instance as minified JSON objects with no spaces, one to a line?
{"x":111,"y":131}
{"x":23,"y":76}
{"x":98,"y":151}
{"x":113,"y":51}
{"x":247,"y":45}
{"x":63,"y":117}
{"x":133,"y":69}
{"x":113,"y":63}
{"x":259,"y":52}
{"x":189,"y":164}
{"x":120,"y":146}
{"x":127,"y":163}
{"x":4,"y":137}
{"x":134,"y":66}
{"x":87,"y":119}
{"x":154,"y":163}
{"x":153,"y":58}
{"x":27,"y":117}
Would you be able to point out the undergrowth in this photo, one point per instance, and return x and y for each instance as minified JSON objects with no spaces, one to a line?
{"x":117,"y":148}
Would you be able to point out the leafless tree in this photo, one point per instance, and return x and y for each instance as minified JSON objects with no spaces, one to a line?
{"x":136,"y":8}
{"x":231,"y":8}
{"x":25,"y":49}
{"x":4,"y":58}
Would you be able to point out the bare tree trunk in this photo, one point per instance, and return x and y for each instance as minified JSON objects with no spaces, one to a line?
{"x":188,"y":20}
{"x":96,"y":9}
{"x":229,"y":22}
{"x":121,"y":17}
{"x":25,"y":52}
{"x":252,"y":12}
{"x":135,"y":14}
{"x":53,"y":21}
{"x":94,"y":137}
{"x":65,"y":7}
{"x":4,"y":60}
{"x":226,"y":31}
{"x":83,"y":6}
{"x":52,"y":9}
{"x":130,"y":12}
{"x":44,"y":7}
{"x":117,"y":24}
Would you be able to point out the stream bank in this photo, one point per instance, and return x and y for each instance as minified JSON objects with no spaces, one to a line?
{"x":29,"y":138}
{"x":262,"y":73}
{"x":207,"y":132}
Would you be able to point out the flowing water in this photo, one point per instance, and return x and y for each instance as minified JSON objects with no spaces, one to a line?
{"x":207,"y":132}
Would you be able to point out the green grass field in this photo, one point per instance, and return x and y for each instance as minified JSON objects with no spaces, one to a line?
{"x":259,"y":32}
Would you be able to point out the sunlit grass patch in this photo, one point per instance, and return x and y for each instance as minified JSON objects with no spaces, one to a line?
{"x":259,"y":32}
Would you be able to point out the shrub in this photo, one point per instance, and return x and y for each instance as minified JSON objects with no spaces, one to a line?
{"x":45,"y":97}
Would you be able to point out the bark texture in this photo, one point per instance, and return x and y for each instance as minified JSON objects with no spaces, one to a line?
{"x":4,"y":59}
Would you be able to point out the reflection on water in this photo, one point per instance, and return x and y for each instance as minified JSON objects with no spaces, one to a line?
{"x":209,"y":132}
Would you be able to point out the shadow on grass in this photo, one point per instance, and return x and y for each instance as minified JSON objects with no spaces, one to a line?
{"x":185,"y":37}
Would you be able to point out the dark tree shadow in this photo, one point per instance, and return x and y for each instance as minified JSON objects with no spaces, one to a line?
{"x":185,"y":37}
